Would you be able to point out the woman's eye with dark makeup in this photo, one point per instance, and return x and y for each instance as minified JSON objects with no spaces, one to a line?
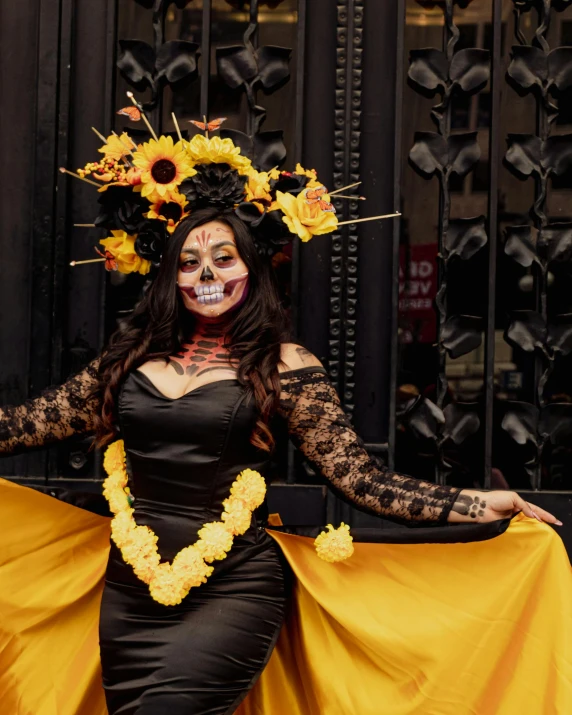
{"x":224,"y":258}
{"x":189,"y":264}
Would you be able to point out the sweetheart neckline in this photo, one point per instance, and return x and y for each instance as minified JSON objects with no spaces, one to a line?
{"x":189,"y":392}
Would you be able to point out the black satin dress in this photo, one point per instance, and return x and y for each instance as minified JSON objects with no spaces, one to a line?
{"x":201,"y":657}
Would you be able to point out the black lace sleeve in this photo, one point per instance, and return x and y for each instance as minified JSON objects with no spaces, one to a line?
{"x":59,"y":413}
{"x":322,"y":431}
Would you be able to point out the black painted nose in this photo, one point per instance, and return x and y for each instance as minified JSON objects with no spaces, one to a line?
{"x":207,"y":274}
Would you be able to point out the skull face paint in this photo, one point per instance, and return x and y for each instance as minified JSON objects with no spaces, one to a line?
{"x":212,"y":276}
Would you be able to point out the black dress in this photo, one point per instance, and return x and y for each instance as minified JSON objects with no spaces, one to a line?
{"x":203,"y":656}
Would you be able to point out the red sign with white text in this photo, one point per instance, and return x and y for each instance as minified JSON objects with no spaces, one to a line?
{"x":417,"y":291}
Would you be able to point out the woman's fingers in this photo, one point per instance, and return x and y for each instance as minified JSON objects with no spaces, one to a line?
{"x":535,"y":512}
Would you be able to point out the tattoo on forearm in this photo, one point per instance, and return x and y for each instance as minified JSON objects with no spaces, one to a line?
{"x":470,"y":506}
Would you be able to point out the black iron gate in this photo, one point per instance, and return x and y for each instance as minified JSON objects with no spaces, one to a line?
{"x":448,"y":334}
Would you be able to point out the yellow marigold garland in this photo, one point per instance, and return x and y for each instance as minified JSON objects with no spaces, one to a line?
{"x":168,"y":582}
{"x":335,"y":544}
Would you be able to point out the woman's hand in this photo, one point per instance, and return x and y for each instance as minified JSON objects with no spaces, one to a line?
{"x":480,"y":507}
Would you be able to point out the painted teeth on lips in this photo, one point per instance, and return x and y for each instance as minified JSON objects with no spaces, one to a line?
{"x":209,"y":294}
{"x":206,"y":289}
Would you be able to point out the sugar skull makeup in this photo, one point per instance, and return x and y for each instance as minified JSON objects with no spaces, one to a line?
{"x":212,"y":276}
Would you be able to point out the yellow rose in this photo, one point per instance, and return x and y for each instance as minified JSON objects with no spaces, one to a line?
{"x":304,"y":219}
{"x":122,"y":247}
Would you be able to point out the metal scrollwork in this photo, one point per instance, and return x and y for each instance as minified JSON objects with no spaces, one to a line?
{"x":251,"y":67}
{"x":442,"y":154}
{"x":343,"y":302}
{"x":544,"y":72}
{"x":152,"y":67}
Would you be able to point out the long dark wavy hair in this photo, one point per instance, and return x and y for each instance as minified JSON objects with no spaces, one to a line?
{"x":160,"y":324}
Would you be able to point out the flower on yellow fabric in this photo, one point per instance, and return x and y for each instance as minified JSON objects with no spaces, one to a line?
{"x":217,"y":151}
{"x":122,"y":247}
{"x":215,"y":540}
{"x":304,"y":219}
{"x":118,"y":146}
{"x":258,"y":187}
{"x":250,"y":488}
{"x":164,"y":165}
{"x":236,"y":515}
{"x":335,"y":544}
{"x":172,"y":210}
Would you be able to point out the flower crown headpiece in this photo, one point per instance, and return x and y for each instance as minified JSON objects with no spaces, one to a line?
{"x":147,"y":189}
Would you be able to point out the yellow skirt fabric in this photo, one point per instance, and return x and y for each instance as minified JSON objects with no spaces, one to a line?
{"x":481,"y":628}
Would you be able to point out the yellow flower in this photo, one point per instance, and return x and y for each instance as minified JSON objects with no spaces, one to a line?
{"x":117,"y":499}
{"x":164,"y":166}
{"x":258,"y":187}
{"x":274,"y":173}
{"x":304,"y":219}
{"x":190,"y":568}
{"x":218,"y":151}
{"x":310,"y":173}
{"x":172,"y":211}
{"x":122,"y":248}
{"x":335,"y":544}
{"x":114,"y":458}
{"x":165,"y":587}
{"x":236,"y":515}
{"x":250,"y":488}
{"x":118,"y":146}
{"x":215,"y":540}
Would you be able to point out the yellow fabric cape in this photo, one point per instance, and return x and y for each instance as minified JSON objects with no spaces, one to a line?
{"x":481,"y":628}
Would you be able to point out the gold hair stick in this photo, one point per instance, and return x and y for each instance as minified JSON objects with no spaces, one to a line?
{"x":89,"y":260}
{"x":370,"y":218}
{"x":176,"y":123}
{"x":143,"y":116}
{"x":343,"y":188}
{"x":63,"y":170}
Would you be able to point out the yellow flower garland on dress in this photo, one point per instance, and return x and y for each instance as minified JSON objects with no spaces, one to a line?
{"x":168,"y":582}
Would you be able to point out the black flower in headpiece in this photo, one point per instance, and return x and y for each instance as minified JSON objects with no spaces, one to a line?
{"x":214,"y":185}
{"x":268,"y":230}
{"x":289,"y":183}
{"x":121,"y":208}
{"x":151,"y":240}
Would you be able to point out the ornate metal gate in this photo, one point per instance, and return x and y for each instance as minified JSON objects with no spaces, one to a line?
{"x":448,"y":334}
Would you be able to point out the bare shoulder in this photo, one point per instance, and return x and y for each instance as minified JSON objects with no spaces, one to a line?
{"x":294,"y":357}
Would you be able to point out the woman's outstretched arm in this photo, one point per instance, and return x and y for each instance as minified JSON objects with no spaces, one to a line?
{"x":58,"y":413}
{"x":322,"y":431}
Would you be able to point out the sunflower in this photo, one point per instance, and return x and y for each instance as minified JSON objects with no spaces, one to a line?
{"x":218,"y":151}
{"x":163,"y":165}
{"x":171,"y":210}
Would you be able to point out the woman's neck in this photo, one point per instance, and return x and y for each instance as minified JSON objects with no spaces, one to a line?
{"x":209,"y":330}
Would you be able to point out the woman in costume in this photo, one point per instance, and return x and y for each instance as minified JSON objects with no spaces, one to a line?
{"x":192,"y":393}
